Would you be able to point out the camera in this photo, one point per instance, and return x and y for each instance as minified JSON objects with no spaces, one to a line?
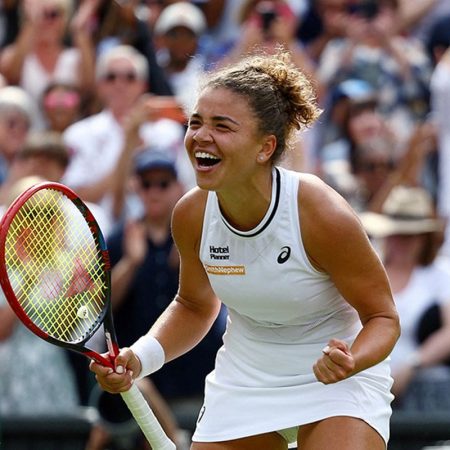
{"x":367,"y":9}
{"x":268,"y":13}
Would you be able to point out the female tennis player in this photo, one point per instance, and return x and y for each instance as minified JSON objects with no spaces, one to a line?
{"x":311,"y":316}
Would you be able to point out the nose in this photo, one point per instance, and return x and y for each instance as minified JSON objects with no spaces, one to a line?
{"x":202,"y":135}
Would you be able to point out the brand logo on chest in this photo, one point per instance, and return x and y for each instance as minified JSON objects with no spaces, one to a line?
{"x":284,"y":255}
{"x":219,"y":253}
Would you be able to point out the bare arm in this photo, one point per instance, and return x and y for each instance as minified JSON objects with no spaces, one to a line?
{"x":82,"y":39}
{"x":409,"y":170}
{"x":195,"y":306}
{"x":337,"y":244}
{"x":193,"y":311}
{"x":13,"y":56}
{"x":411,"y":12}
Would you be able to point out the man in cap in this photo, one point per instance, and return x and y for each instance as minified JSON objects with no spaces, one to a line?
{"x":178,"y":32}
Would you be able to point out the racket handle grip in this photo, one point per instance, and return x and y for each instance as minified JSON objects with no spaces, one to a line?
{"x":146,"y":420}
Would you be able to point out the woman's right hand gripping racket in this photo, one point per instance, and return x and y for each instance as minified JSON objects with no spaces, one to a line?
{"x":55,"y":273}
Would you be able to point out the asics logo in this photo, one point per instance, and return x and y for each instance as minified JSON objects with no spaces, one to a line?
{"x":284,"y":255}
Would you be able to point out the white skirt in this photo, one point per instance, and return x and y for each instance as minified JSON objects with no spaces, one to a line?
{"x":233,"y":411}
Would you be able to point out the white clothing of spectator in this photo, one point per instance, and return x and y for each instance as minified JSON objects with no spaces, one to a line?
{"x":440,"y":98}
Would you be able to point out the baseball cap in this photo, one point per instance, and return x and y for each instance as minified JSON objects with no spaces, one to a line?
{"x":181,"y":14}
{"x":154,"y":159}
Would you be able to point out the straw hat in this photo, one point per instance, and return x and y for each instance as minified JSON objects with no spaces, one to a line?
{"x":407,"y":210}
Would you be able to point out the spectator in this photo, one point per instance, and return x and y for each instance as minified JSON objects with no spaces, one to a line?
{"x":17,"y":116}
{"x":177,"y":32}
{"x":439,"y":39}
{"x":440,"y":88}
{"x":45,"y":156}
{"x":417,"y":17}
{"x":36,"y":377}
{"x":398,"y":68}
{"x":417,"y":166}
{"x":332,"y":126}
{"x":97,"y":141}
{"x":266,"y":25}
{"x":361,"y":126}
{"x":324,"y":20}
{"x":122,"y":23}
{"x":223,"y":32}
{"x":412,"y":235}
{"x":39,"y":54}
{"x":62,"y":105}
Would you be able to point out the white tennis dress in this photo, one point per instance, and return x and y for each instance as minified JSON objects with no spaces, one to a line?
{"x":282,"y":312}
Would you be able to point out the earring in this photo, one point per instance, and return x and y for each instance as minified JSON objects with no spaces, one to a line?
{"x":260,"y":157}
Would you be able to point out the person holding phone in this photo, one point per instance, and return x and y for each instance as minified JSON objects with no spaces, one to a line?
{"x":268,"y":25}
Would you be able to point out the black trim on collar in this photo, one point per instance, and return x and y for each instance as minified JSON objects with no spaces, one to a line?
{"x":272,"y":213}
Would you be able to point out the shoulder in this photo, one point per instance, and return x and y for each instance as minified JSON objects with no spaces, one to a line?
{"x":329,"y":225}
{"x":317,"y":197}
{"x":187,"y":218}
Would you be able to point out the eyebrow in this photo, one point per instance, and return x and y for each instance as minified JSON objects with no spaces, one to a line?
{"x":218,"y":118}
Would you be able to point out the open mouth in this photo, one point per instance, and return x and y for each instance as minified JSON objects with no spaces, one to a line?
{"x":206,"y":159}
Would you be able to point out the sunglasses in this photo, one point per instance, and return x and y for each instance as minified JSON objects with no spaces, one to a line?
{"x":161,"y":185}
{"x":52,"y":14}
{"x":61,"y":99}
{"x":17,"y":124}
{"x":129,"y":77}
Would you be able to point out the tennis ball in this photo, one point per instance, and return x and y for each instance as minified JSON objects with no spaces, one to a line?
{"x":82,"y":312}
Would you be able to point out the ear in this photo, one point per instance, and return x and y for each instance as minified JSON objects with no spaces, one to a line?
{"x":268,"y":148}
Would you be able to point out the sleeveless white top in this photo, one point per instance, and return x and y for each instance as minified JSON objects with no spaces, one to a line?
{"x":282,"y":312}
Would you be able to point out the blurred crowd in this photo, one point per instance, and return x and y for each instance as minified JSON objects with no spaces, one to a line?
{"x":96,"y":93}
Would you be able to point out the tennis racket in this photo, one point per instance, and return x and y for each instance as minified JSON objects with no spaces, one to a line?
{"x":55,"y":273}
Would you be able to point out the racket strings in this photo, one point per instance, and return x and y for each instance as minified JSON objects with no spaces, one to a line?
{"x":55,"y":267}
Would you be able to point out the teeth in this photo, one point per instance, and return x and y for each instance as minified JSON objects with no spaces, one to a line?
{"x":205,"y":155}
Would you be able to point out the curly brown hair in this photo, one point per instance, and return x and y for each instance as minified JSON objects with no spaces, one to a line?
{"x":281,"y":96}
